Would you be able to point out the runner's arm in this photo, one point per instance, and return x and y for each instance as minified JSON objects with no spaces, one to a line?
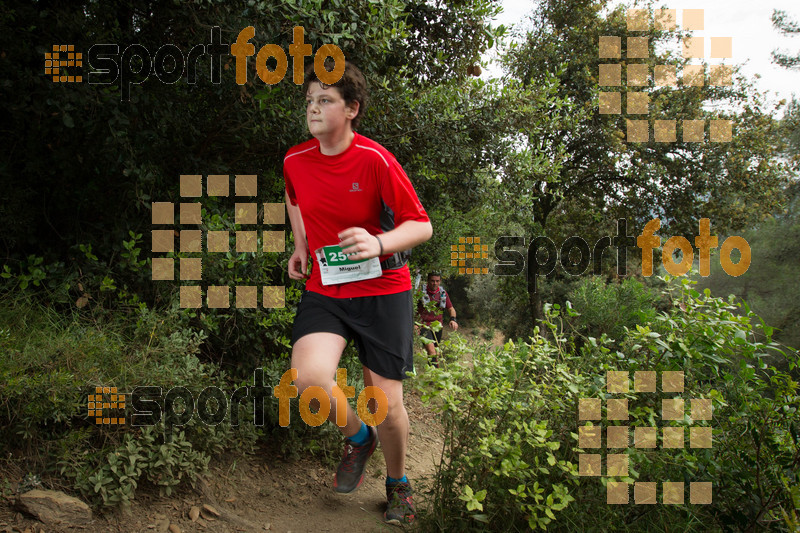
{"x":453,"y":322}
{"x":407,"y":235}
{"x":298,"y":263}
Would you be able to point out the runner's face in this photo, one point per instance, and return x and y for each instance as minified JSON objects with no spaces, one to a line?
{"x":433,"y":282}
{"x":327,"y":115}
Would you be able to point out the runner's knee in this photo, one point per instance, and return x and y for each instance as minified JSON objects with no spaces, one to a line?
{"x":396,"y":413}
{"x":310,"y":378}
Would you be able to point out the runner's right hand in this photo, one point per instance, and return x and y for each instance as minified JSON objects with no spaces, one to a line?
{"x":298,"y":265}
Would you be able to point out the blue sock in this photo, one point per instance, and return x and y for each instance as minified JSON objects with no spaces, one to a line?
{"x":390,"y":480}
{"x":360,"y":438}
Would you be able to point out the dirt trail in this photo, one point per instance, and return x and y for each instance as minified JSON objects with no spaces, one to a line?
{"x":262,"y":493}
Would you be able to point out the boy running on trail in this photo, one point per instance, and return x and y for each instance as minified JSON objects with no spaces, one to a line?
{"x":345,"y":190}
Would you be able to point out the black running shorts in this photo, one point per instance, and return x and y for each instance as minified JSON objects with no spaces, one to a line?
{"x":381,"y":327}
{"x":435,"y":336}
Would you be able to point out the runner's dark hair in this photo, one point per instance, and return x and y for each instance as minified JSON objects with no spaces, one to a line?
{"x":352,"y":86}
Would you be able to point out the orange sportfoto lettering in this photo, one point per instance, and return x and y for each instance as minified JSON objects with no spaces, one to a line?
{"x":340,"y":392}
{"x":299,"y":50}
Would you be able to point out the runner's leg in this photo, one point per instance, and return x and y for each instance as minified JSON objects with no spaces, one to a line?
{"x":393,"y":432}
{"x":430,"y":347}
{"x":316,"y":357}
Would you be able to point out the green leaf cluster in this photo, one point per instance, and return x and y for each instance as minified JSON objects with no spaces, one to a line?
{"x":511,"y":426}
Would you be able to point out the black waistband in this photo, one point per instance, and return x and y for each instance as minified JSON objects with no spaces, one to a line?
{"x":396,"y":261}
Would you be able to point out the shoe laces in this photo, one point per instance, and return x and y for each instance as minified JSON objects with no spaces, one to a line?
{"x":348,"y":460}
{"x":350,"y":453}
{"x":402,"y":491}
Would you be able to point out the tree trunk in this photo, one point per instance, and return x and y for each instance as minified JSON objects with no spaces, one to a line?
{"x":535,"y":302}
{"x":546,"y":205}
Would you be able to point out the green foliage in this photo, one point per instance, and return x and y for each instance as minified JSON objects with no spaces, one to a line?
{"x":244,"y":334}
{"x":144,"y":144}
{"x":440,"y":45}
{"x":619,"y":178}
{"x":45,"y":356}
{"x":755,"y":443}
{"x":110,"y":478}
{"x":790,"y":128}
{"x":577,"y":164}
{"x":82,"y":167}
{"x":85,"y":282}
{"x":435,"y":253}
{"x":512,"y":417}
{"x":501,"y":302}
{"x":611,"y":307}
{"x":768,"y":285}
{"x":164,"y":464}
{"x":96,"y":256}
{"x":787,"y":26}
{"x":501,"y":450}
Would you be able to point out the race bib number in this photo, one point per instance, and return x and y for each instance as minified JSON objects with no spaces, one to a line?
{"x":336,"y":267}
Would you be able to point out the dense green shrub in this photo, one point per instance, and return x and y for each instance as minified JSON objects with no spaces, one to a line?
{"x":511,"y":432}
{"x":94,"y":288}
{"x":50,"y":363}
{"x":500,"y":467}
{"x":754,"y":461}
{"x":610,"y":307}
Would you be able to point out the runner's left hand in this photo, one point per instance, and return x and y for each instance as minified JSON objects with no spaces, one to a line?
{"x":359,"y":242}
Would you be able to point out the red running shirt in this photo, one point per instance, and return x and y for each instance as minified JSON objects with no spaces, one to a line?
{"x":427,"y":316}
{"x":365,"y":187}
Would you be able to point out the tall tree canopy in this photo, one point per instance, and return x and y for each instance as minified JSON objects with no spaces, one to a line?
{"x":787,"y":26}
{"x":80,"y":164}
{"x":595,"y":172}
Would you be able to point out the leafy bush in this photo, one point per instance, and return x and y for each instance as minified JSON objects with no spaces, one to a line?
{"x":511,"y":435}
{"x":755,"y":459}
{"x":500,"y":468}
{"x":164,"y":464}
{"x":611,"y":307}
{"x":45,"y":356}
{"x":106,"y":288}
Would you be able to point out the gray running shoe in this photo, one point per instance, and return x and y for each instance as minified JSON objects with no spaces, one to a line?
{"x":401,"y":507}
{"x":350,"y":473}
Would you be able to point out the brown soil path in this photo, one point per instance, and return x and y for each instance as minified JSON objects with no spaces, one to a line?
{"x":262,"y":493}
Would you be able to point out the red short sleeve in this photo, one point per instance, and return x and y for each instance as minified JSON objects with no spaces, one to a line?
{"x":289,"y":187}
{"x":399,"y":195}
